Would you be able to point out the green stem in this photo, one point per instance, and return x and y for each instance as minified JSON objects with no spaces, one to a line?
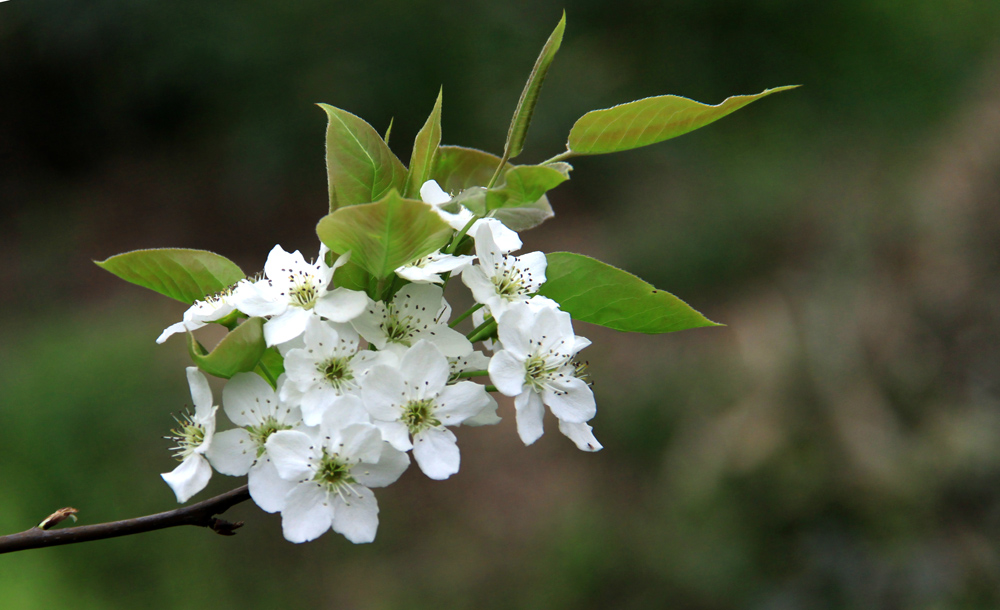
{"x":491,"y":388}
{"x":458,"y":236}
{"x":473,"y":374}
{"x":465,"y":315}
{"x":503,"y":163}
{"x":485,"y":331}
{"x":560,"y":157}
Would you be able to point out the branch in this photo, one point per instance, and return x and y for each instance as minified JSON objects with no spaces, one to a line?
{"x":201,"y":514}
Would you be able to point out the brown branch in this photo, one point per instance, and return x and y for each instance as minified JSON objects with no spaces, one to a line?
{"x":201,"y":514}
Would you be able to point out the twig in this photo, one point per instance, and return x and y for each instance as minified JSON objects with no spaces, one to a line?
{"x":201,"y":514}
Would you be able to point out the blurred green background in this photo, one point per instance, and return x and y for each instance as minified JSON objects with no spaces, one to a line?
{"x":834,"y":446}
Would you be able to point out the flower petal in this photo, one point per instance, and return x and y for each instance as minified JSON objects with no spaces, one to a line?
{"x":341,"y":304}
{"x":307,"y":514}
{"x":529,"y":412}
{"x":267,"y":488}
{"x":570,"y":399}
{"x":286,"y":326}
{"x":507,"y":372}
{"x":436,"y":452}
{"x":486,"y":417}
{"x":391,"y":464}
{"x":248,"y":400}
{"x":432,"y":193}
{"x":461,"y":401}
{"x":201,"y":394}
{"x":232,"y":452}
{"x":581,"y":434}
{"x":423,"y":366}
{"x":189,"y":478}
{"x":291,"y":451}
{"x":355,"y":514}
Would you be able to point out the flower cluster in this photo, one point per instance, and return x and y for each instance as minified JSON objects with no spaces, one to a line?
{"x":366,"y":382}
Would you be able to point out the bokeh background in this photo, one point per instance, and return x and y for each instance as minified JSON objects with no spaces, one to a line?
{"x":836,"y":445}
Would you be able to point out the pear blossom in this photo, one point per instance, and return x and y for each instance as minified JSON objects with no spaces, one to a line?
{"x":294,"y":290}
{"x":431,"y":193}
{"x":501,"y":279}
{"x":251,"y":403}
{"x":332,"y":468}
{"x":417,"y":311}
{"x":536,"y":367}
{"x":194,"y":438}
{"x":476,"y":361}
{"x":210,"y":309}
{"x":412,"y":404}
{"x":428,"y":269}
{"x":327,"y":367}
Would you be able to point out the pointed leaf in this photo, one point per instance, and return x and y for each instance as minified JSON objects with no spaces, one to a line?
{"x":182,"y":274}
{"x":238,"y":352}
{"x":526,"y":216}
{"x":388,"y":131}
{"x":525,"y":184}
{"x":425,"y":150}
{"x":385,"y":235}
{"x":649,"y":121}
{"x":518,"y":130}
{"x":459,"y":168}
{"x":271,"y":365}
{"x":359,"y":165}
{"x":598,"y":293}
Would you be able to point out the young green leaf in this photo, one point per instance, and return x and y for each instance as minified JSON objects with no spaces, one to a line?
{"x":384,"y":235}
{"x":598,"y":293}
{"x":360,"y":167}
{"x":526,"y":216}
{"x":388,"y":131}
{"x":425,"y":150}
{"x":525,"y":184}
{"x":239,"y":351}
{"x":519,"y":123}
{"x":185,"y":275}
{"x":459,"y":168}
{"x":271,"y":365}
{"x":649,"y":121}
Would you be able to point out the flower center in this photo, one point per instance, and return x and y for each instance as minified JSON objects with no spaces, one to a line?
{"x":188,"y":435}
{"x":418,"y":415}
{"x":336,"y":371}
{"x":537,"y":370}
{"x":509,"y":283}
{"x":397,"y":329}
{"x":333,"y":473}
{"x":304,"y":294}
{"x":259,"y":434}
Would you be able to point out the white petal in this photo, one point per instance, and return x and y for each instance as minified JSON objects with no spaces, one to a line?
{"x":232,"y":452}
{"x":436,"y":452}
{"x":451,"y":342}
{"x":390,"y":466}
{"x":315,"y":403}
{"x":425,"y":367}
{"x":342,"y":412}
{"x":358,"y":442}
{"x":487,"y":417}
{"x":529,"y":412}
{"x":201,"y":394}
{"x":432,"y":193}
{"x":507,"y":372}
{"x":570,"y":399}
{"x":341,"y":304}
{"x":285,"y":327}
{"x":515,"y":328}
{"x":581,"y":434}
{"x":460,"y":402}
{"x":267,"y":488}
{"x":248,"y":399}
{"x":307,"y":514}
{"x":291,"y":450}
{"x":189,"y":478}
{"x":180,"y":327}
{"x":260,"y":299}
{"x":506,"y":240}
{"x":396,"y":434}
{"x":355,"y":515}
{"x":383,"y":393}
{"x":476,"y":280}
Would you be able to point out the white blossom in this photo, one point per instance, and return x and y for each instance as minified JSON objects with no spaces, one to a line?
{"x":501,"y":279}
{"x":194,"y":438}
{"x":251,"y":403}
{"x":333,"y":468}
{"x":476,"y":361}
{"x":417,"y":311}
{"x":432,"y":194}
{"x":413,"y":403}
{"x":428,"y":269}
{"x":327,"y":367}
{"x":210,"y":309}
{"x":293,"y":291}
{"x":536,"y":367}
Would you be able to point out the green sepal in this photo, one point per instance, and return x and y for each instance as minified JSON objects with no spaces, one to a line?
{"x":425,"y":152}
{"x":182,"y":274}
{"x":595,"y":292}
{"x":270,"y":366}
{"x":384,"y":235}
{"x":238,"y":352}
{"x":649,"y":121}
{"x":360,"y":167}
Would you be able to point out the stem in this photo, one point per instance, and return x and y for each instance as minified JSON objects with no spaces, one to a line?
{"x":503,"y":163}
{"x":566,"y":154}
{"x":201,"y":514}
{"x":458,"y":236}
{"x":465,"y":315}
{"x":491,"y":388}
{"x":465,"y":374}
{"x":485,"y":330}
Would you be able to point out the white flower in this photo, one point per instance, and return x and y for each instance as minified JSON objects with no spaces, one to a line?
{"x":327,"y":367}
{"x":501,"y":279}
{"x":415,"y":400}
{"x":429,"y":268}
{"x":201,"y":313}
{"x":418,"y":311}
{"x":431,"y":193}
{"x":333,"y":468}
{"x":294,"y":291}
{"x":250,"y":402}
{"x":536,"y":367}
{"x":476,"y":361}
{"x":193,"y":437}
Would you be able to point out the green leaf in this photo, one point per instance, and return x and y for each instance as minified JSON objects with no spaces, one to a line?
{"x":527,"y":216}
{"x":598,"y":293}
{"x":526,"y":184}
{"x":459,"y":168}
{"x":388,"y":131}
{"x":351,"y":276}
{"x":359,"y":165}
{"x":518,"y":130}
{"x":270,"y":366}
{"x":238,"y":352}
{"x":384,"y":235}
{"x":425,"y":148}
{"x":185,"y":275}
{"x":649,"y":121}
